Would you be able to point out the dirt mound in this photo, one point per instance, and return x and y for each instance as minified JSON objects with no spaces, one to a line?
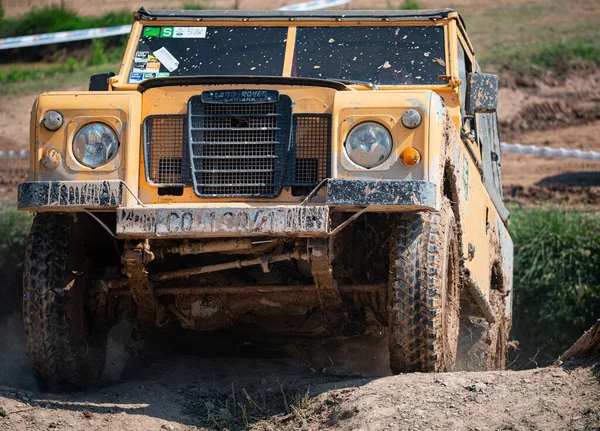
{"x":555,"y":193}
{"x":552,"y":114}
{"x":547,"y":399}
{"x":545,"y":106}
{"x":180,"y":393}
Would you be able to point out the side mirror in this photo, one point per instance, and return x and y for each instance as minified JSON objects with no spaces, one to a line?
{"x":482,"y":93}
{"x":99,"y":81}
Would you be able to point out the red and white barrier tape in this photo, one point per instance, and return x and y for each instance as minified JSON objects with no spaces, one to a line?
{"x":316,"y":5}
{"x":23,"y":154}
{"x":94,"y":33}
{"x":62,"y":36}
{"x":506,"y":148}
{"x":550,"y":152}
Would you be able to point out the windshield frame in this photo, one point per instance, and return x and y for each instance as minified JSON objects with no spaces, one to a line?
{"x":121,"y":80}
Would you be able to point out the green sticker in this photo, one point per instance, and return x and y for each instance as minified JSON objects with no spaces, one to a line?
{"x":166,"y":32}
{"x":163,"y":75}
{"x":149,"y":75}
{"x":151,"y":31}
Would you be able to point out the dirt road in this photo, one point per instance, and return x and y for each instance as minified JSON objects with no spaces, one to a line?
{"x":191,"y":393}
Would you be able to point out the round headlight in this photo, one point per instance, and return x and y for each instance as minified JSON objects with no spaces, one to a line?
{"x":369,"y":144}
{"x":95,"y":145}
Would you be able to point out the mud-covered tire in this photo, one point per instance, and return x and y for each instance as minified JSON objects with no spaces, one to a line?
{"x":63,"y":350}
{"x":495,"y":352}
{"x":424,"y":292}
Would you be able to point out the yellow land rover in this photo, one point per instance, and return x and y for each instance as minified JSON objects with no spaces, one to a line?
{"x":283,"y":175}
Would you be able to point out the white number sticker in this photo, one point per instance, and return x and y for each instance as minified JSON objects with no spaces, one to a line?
{"x":189,"y":32}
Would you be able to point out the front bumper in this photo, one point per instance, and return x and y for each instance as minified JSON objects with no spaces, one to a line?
{"x":219,"y":220}
{"x":70,"y":195}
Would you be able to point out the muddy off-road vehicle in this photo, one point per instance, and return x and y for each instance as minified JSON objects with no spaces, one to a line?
{"x":288,"y":177}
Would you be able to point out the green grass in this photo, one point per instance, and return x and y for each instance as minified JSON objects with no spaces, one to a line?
{"x":52,"y":19}
{"x":556,"y":279}
{"x":404,"y":5}
{"x":559,"y":57}
{"x":73,"y":75}
{"x":534,"y":37}
{"x":242,"y":409}
{"x":14,"y":227}
{"x":194,"y":6}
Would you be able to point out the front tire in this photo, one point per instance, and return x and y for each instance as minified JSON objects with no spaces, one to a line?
{"x":65,"y":350}
{"x":424,"y":292}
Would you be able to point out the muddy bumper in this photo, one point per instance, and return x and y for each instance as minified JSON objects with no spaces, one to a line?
{"x":311,"y":218}
{"x":70,"y":195}
{"x":308,"y":220}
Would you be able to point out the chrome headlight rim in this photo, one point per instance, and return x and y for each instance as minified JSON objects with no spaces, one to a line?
{"x":111,"y":150}
{"x":354,"y":154}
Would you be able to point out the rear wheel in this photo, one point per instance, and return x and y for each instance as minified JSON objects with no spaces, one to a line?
{"x":65,"y":349}
{"x":424,"y":292}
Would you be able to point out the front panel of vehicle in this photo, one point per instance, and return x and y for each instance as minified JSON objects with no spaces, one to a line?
{"x":263,"y":133}
{"x":199,"y":146}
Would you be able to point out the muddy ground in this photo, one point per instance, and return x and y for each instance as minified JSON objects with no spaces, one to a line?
{"x":171,"y":389}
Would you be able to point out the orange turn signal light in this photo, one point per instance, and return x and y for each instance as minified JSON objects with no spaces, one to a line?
{"x":410,"y":156}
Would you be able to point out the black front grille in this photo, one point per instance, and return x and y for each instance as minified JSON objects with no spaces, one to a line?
{"x":239,"y":149}
{"x":310,"y":143}
{"x":166,"y":150}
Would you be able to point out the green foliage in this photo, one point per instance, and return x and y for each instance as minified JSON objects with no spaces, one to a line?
{"x":27,"y":74}
{"x":411,"y":5}
{"x":407,"y":5}
{"x":52,"y":19}
{"x":1,"y":10}
{"x":557,"y":279}
{"x":98,"y":53}
{"x":14,"y":227}
{"x":194,"y":6}
{"x":557,"y":56}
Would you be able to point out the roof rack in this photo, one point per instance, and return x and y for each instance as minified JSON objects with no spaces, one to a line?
{"x":262,"y":15}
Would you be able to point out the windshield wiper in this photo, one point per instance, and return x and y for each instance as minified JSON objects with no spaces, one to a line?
{"x":368,"y":84}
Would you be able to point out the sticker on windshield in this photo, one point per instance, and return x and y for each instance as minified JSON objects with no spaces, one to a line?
{"x":141,"y":56}
{"x":151,"y":31}
{"x":166,"y":58}
{"x":189,"y":32}
{"x":153,"y":66}
{"x":136,"y":77}
{"x":183,"y":32}
{"x":149,"y":75}
{"x":163,"y":75}
{"x":139,"y":67}
{"x":166,"y":32}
